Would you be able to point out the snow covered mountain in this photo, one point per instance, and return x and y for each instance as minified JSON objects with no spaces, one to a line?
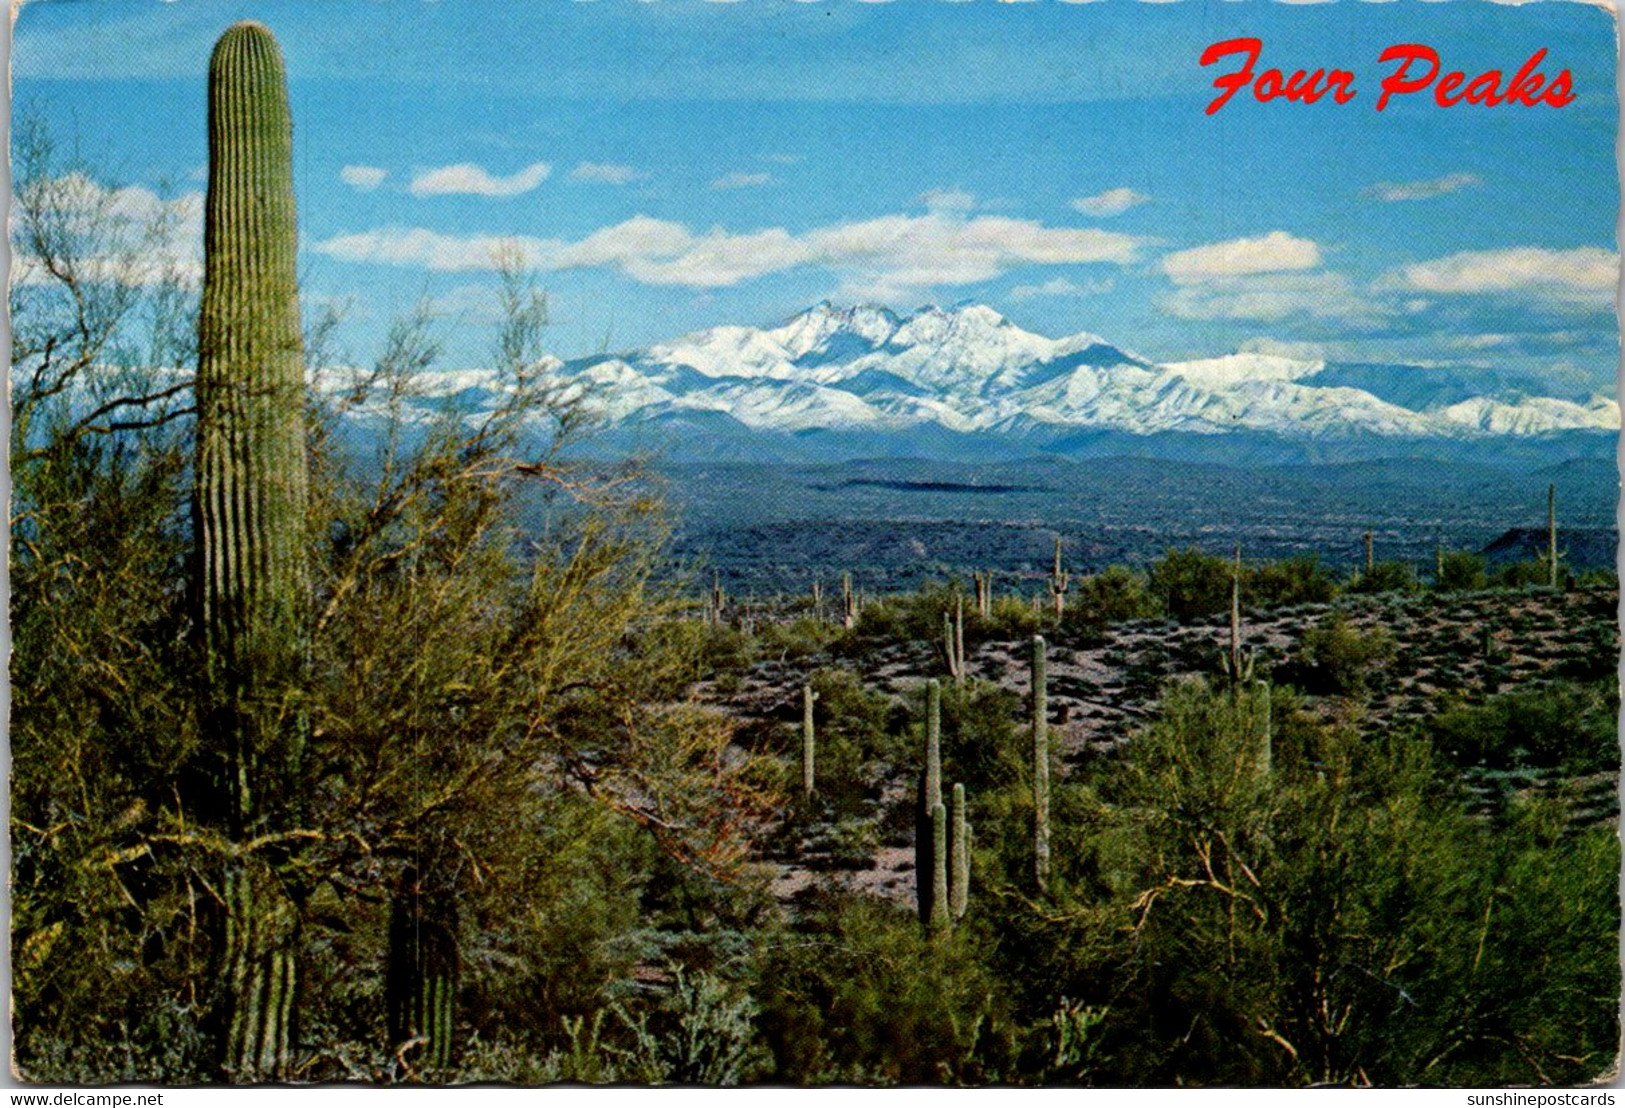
{"x":965,"y":382}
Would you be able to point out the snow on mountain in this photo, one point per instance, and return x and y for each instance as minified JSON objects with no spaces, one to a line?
{"x":970,"y":374}
{"x":1235,"y":369}
{"x":1532,"y":415}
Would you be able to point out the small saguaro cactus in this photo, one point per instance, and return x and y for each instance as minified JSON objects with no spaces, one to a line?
{"x":717,"y":602}
{"x":849,"y":603}
{"x":248,"y":507}
{"x":1370,"y":556}
{"x":809,"y":747}
{"x":1551,"y":535}
{"x":818,"y":599}
{"x":984,"y":593}
{"x":953,"y":640}
{"x":926,"y":856}
{"x":1059,"y":582}
{"x":1237,"y":668}
{"x":1040,"y":726}
{"x":959,"y":857}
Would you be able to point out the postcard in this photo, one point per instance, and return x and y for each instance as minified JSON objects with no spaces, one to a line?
{"x":659,"y":542}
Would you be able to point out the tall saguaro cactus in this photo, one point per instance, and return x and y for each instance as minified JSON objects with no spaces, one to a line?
{"x":1040,"y":716}
{"x":928,"y":858}
{"x":249,"y":504}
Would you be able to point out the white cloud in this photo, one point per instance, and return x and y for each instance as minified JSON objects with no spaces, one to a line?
{"x":363,"y":178}
{"x":1111,"y":202}
{"x":468,"y":179}
{"x":1063,"y":286}
{"x":900,"y":252}
{"x":1392,"y":191}
{"x":948,"y":200}
{"x":1272,"y":297}
{"x":1273,"y":253}
{"x":1586,"y":275}
{"x":604,"y":173}
{"x":742,"y":180}
{"x":415,"y":246}
{"x":138,"y":236}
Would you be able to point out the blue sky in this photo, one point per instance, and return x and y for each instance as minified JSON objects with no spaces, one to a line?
{"x":676,"y":164}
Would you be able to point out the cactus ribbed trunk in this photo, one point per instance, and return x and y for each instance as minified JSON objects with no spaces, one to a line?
{"x":1235,"y":622}
{"x":421,"y":986}
{"x":959,"y":638}
{"x":938,"y":920}
{"x":261,"y":975}
{"x":1370,"y":555}
{"x":809,"y":748}
{"x":959,"y":858}
{"x":927,"y":855}
{"x":1551,"y":534}
{"x":249,"y":504}
{"x":1040,"y":723}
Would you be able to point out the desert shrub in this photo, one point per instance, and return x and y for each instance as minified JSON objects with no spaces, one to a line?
{"x":1594,"y":657}
{"x":856,"y":993}
{"x":855,"y":741}
{"x":1461,"y":571}
{"x":1231,"y":889}
{"x":1523,"y":575}
{"x":1599,"y":578}
{"x":1190,"y":584}
{"x":1572,"y":727}
{"x":980,"y":745}
{"x":1013,"y":618}
{"x":1116,"y":594}
{"x":907,"y":617}
{"x":1335,"y":657}
{"x":1301,"y":580}
{"x":1385,"y":577}
{"x":796,"y":641}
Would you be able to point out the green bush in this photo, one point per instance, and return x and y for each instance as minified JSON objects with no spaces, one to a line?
{"x":1116,"y":594}
{"x":1298,"y":580}
{"x":980,"y":745}
{"x":856,"y":993}
{"x":1571,"y":727}
{"x":1190,"y":584}
{"x":855,"y":741}
{"x":1335,"y":657}
{"x":1386,"y":577}
{"x":1460,"y":571}
{"x":1522,"y":575}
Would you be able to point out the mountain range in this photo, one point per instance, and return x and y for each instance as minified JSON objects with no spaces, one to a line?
{"x":965,"y":383}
